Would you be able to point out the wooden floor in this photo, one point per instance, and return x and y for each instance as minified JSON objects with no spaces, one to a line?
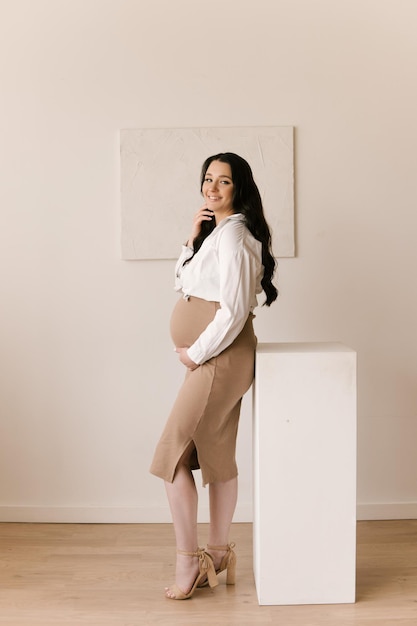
{"x":113,"y":575}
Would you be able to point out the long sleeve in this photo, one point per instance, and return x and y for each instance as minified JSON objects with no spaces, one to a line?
{"x":239,"y":268}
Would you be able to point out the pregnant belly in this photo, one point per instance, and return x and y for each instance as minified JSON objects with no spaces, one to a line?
{"x":189,"y":318}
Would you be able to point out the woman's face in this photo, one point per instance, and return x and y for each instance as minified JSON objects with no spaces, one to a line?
{"x":218,"y":189}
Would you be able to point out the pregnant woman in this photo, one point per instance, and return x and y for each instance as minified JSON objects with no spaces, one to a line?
{"x":225,"y":263}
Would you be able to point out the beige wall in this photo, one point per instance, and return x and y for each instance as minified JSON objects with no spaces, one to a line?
{"x":87,"y":372}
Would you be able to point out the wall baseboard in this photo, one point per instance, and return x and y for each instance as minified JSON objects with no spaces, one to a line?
{"x":386,"y":510}
{"x":105,"y":515}
{"x":160,"y":514}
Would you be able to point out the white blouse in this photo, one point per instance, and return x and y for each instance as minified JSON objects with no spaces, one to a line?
{"x":227,"y":269}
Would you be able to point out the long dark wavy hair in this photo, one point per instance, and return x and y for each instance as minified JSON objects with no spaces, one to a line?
{"x":246,"y":200}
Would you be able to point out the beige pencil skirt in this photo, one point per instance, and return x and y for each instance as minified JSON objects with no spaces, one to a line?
{"x":201,"y":429}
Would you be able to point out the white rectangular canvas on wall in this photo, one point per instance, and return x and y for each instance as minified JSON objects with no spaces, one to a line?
{"x":160,"y":183}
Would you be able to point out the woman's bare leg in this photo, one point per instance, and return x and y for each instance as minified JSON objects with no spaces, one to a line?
{"x":223,"y":498}
{"x":183,"y":501}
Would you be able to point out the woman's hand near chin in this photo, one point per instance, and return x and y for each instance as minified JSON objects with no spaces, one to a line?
{"x":203,"y":215}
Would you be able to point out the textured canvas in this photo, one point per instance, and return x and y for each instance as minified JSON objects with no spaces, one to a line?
{"x":160,"y":188}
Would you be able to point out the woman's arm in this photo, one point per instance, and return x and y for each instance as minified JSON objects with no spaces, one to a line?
{"x":239,"y":265}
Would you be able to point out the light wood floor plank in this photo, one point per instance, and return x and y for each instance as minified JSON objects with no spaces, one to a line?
{"x":114,"y":575}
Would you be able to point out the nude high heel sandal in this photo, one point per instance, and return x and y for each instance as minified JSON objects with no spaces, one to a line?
{"x":228,"y":563}
{"x":206,"y":568}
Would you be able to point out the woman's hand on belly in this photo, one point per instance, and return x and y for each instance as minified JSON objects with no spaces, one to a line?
{"x":185,"y":359}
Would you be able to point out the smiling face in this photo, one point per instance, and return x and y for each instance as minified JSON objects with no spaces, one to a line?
{"x":218,"y":189}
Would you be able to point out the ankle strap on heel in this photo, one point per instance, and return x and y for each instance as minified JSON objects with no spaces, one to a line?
{"x":227,"y":548}
{"x":205,"y":563}
{"x":185,"y":553}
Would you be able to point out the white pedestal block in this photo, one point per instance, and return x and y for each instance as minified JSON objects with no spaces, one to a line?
{"x":305,"y":473}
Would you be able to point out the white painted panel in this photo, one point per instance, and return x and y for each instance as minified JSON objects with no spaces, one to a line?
{"x":160,"y":183}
